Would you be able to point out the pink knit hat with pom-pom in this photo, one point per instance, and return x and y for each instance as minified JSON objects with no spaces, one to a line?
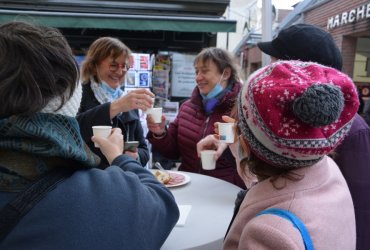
{"x":293,"y":113}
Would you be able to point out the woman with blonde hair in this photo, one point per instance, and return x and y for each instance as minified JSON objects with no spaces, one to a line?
{"x":103,"y":73}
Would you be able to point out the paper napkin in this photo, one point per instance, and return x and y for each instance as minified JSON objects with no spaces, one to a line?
{"x":184,"y":212}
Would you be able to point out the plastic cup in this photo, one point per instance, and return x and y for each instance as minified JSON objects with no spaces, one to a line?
{"x":208,"y":159}
{"x":103,"y":131}
{"x":226,"y":132}
{"x":156,"y":114}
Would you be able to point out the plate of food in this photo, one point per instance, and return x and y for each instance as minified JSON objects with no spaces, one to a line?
{"x":171,"y":178}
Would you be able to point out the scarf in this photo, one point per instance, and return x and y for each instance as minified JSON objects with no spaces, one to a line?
{"x":33,"y":145}
{"x":210,"y":103}
{"x":104,"y":93}
{"x":69,"y":108}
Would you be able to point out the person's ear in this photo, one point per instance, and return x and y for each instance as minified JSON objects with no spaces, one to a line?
{"x":227,"y":73}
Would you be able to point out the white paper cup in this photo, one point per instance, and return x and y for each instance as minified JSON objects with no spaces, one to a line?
{"x":226,"y":132}
{"x":156,"y":114}
{"x":103,"y":131}
{"x":208,"y":159}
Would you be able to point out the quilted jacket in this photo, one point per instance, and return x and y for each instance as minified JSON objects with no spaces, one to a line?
{"x":190,"y":126}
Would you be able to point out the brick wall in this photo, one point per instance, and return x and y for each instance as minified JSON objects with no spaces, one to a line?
{"x":345,"y":35}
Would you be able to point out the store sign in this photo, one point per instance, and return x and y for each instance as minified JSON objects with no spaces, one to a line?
{"x":183,"y":75}
{"x":351,"y":16}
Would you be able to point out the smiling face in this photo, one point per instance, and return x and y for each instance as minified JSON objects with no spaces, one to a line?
{"x":113,"y":70}
{"x":207,"y":76}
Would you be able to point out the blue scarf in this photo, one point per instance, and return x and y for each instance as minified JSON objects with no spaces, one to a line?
{"x":213,"y":98}
{"x":104,"y":93}
{"x":114,"y":93}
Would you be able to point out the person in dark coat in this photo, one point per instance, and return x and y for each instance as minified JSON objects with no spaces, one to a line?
{"x":120,"y":207}
{"x":366,"y":112}
{"x":103,"y":72}
{"x":310,"y":43}
{"x":218,"y":85}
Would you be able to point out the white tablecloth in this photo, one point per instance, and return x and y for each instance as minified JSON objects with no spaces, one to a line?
{"x":212,"y":204}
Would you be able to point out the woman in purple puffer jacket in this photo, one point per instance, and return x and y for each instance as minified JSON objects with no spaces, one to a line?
{"x":218,"y":85}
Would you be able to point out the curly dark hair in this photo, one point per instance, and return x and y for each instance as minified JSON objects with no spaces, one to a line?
{"x":37,"y":65}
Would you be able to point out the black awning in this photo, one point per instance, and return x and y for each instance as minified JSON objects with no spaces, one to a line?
{"x":117,"y":21}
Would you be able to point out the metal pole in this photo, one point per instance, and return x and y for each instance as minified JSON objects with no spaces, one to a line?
{"x":266,"y":27}
{"x":227,"y":34}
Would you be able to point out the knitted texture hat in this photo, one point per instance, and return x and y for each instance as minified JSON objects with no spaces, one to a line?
{"x":293,"y":113}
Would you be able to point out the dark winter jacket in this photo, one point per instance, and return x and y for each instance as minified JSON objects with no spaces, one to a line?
{"x":353,"y":159}
{"x":121,"y":207}
{"x":366,"y":112}
{"x":91,"y":113}
{"x":189,"y":127}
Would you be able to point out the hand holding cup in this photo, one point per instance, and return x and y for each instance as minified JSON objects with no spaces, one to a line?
{"x":102,"y":131}
{"x":112,"y":146}
{"x":209,"y":149}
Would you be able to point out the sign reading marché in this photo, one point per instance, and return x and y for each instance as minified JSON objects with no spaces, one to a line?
{"x":351,"y":16}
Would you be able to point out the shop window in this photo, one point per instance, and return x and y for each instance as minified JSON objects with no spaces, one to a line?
{"x":361,"y":67}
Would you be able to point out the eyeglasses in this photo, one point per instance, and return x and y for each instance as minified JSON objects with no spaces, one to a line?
{"x":116,"y":66}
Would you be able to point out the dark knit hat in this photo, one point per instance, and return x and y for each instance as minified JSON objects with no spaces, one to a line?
{"x":292,"y":113}
{"x":306,"y":43}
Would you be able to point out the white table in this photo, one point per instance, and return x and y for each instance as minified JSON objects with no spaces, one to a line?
{"x":212,"y":202}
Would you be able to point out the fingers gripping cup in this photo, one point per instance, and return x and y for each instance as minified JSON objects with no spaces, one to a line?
{"x":103,"y":131}
{"x":208,"y":159}
{"x":156,"y":114}
{"x":148,"y":110}
{"x":226,"y":132}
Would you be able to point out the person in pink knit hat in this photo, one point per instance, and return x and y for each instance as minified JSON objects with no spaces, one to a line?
{"x":291,"y":115}
{"x":306,"y":42}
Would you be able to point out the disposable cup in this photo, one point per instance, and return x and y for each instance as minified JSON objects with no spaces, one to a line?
{"x":226,"y":132}
{"x":103,"y":131}
{"x":156,"y":114}
{"x":208,"y":159}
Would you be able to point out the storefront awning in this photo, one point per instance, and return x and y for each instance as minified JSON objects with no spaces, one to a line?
{"x":116,"y":21}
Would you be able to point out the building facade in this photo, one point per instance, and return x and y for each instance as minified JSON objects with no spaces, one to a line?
{"x":349,"y":24}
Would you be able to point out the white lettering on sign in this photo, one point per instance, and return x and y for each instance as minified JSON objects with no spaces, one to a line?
{"x":351,"y":16}
{"x":344,"y":18}
{"x":361,"y":12}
